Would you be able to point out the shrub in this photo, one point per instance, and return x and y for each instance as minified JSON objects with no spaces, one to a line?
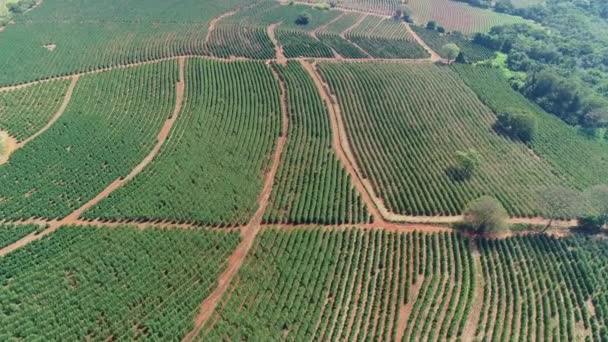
{"x":431,"y":25}
{"x":516,"y":125}
{"x":486,"y":215}
{"x":303,"y":18}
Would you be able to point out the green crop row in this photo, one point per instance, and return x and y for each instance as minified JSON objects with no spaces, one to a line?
{"x":109,"y":126}
{"x":211,"y":169}
{"x":25,"y":111}
{"x":311,"y":186}
{"x":101,"y":284}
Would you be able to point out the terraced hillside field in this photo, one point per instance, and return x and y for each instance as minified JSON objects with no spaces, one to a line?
{"x":25,"y":111}
{"x":406,"y":124}
{"x":121,"y":284}
{"x":348,"y":285}
{"x":385,"y":38}
{"x":211,"y":169}
{"x":582,"y":160}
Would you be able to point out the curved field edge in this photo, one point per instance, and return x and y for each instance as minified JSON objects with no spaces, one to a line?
{"x":23,"y":112}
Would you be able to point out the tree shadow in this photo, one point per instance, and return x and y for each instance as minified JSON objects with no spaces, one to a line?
{"x":457,"y":174}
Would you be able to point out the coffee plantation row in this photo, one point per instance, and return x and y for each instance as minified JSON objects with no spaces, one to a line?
{"x":348,"y":285}
{"x":45,"y":48}
{"x":582,"y":160}
{"x":99,"y":284}
{"x":313,"y":284}
{"x":311,"y":186}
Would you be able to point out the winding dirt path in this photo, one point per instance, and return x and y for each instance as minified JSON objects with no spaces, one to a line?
{"x":58,"y":114}
{"x":248,"y":233}
{"x":278,"y":48}
{"x":356,"y":24}
{"x":214,"y":21}
{"x":434,"y":55}
{"x":72,"y":218}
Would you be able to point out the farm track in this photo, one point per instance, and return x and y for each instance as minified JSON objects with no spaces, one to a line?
{"x":349,"y":29}
{"x":58,"y":114}
{"x":214,"y":21}
{"x":249,"y":232}
{"x":72,"y":218}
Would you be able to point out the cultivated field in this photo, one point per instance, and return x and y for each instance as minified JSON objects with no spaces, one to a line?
{"x":102,"y":284}
{"x":458,"y":16}
{"x":221,"y":144}
{"x":406,"y":141}
{"x":582,"y":160}
{"x":375,"y":285}
{"x":311,"y":185}
{"x":197,"y":170}
{"x":100,"y":137}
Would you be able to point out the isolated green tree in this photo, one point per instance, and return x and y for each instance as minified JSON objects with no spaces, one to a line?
{"x":303,"y":18}
{"x":461,"y":59}
{"x":486,"y":215}
{"x":468,"y":162}
{"x":558,"y":202}
{"x":431,"y":25}
{"x":451,"y":51}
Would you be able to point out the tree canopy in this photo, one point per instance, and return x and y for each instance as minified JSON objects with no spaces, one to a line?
{"x":486,"y":215}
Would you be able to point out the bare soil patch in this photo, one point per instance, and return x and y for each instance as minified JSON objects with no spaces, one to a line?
{"x":280,"y":57}
{"x":8,"y":145}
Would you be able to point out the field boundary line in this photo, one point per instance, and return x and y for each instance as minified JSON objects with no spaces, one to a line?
{"x":72,"y":218}
{"x":351,"y":28}
{"x":434,"y":55}
{"x":66,"y":100}
{"x":278,"y":48}
{"x":249,"y":232}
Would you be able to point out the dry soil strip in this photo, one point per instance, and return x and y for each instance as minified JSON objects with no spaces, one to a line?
{"x":248,"y":232}
{"x":470,"y":327}
{"x":278,"y":48}
{"x":72,"y":218}
{"x":58,"y":114}
{"x":434,"y":56}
